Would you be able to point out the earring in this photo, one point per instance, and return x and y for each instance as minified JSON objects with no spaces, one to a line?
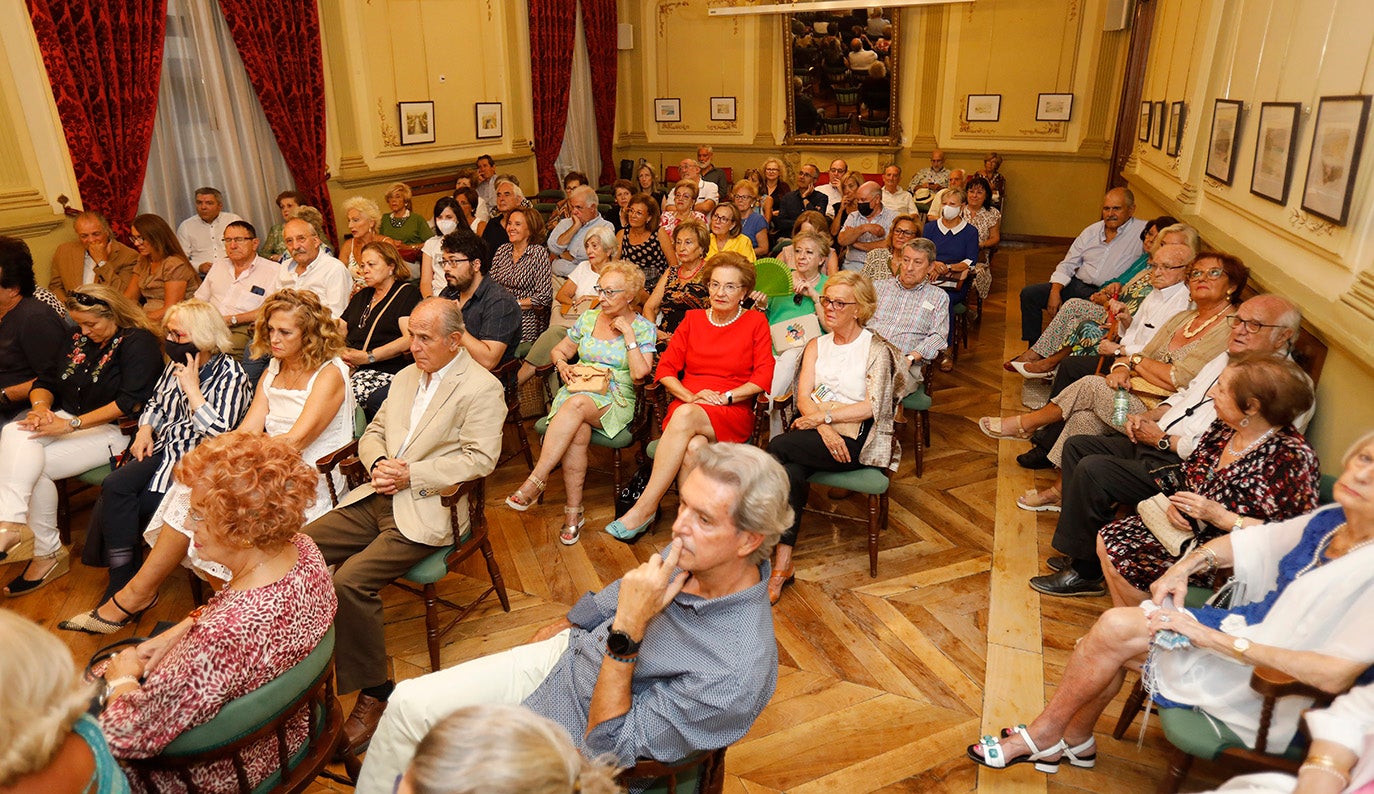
{"x":1245,"y":422}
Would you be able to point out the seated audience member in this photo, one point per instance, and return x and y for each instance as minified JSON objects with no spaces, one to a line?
{"x":467,"y":177}
{"x":710,"y":172}
{"x":846,"y":394}
{"x":486,"y":181}
{"x":894,"y":197}
{"x":237,"y":285}
{"x":625,"y":674}
{"x":32,"y":336}
{"x":313,"y":217}
{"x":957,"y":179}
{"x":248,"y":498}
{"x":467,"y":214}
{"x":682,"y":287}
{"x":613,"y":338}
{"x":814,"y":222}
{"x":313,"y":270}
{"x":565,"y":241}
{"x":806,"y":116}
{"x":848,"y":202}
{"x":866,"y":228}
{"x":448,"y":215}
{"x":646,"y":181}
{"x":725,"y":228}
{"x":753,"y":225}
{"x":1250,"y":466}
{"x":502,"y":749}
{"x":108,"y":371}
{"x":579,"y":293}
{"x":991,"y":171}
{"x":522,"y":267}
{"x":1307,"y":598}
{"x":1100,"y":253}
{"x":162,"y":275}
{"x":860,"y":57}
{"x":52,"y":745}
{"x":201,"y":393}
{"x":639,"y":241}
{"x":440,"y":425}
{"x":774,"y":188}
{"x":875,"y":90}
{"x":988,"y":221}
{"x":508,"y":197}
{"x":622,"y":190}
{"x":200,"y":234}
{"x":718,"y":361}
{"x":1173,"y":357}
{"x":401,"y":224}
{"x":881,"y":263}
{"x":364,"y":226}
{"x":491,"y":316}
{"x":1082,"y":323}
{"x":95,"y":257}
{"x":806,"y":198}
{"x":956,"y":247}
{"x":808,"y":284}
{"x":563,"y":209}
{"x":376,"y":324}
{"x":273,"y":247}
{"x":684,"y":196}
{"x":936,"y":177}
{"x":708,"y":193}
{"x":912,"y":314}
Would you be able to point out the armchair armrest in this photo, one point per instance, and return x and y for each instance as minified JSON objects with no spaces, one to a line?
{"x":451,"y":497}
{"x":1273,"y":683}
{"x":344,"y":458}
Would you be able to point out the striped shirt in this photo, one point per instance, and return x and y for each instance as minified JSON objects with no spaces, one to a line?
{"x":177,"y":430}
{"x":914,"y":320}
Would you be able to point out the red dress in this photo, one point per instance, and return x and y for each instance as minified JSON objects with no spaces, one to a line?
{"x":703,"y":356}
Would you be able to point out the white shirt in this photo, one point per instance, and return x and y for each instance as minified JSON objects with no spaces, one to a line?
{"x":87,"y":269}
{"x":833,"y":193}
{"x":1157,"y":309}
{"x":706,"y":191}
{"x":239,"y":294}
{"x":1191,"y":411}
{"x":424,"y":394}
{"x":899,"y":202}
{"x":203,"y":242}
{"x":326,"y":276}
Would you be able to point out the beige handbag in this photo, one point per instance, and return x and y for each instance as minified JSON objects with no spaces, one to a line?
{"x":588,"y":379}
{"x":1155,"y":513}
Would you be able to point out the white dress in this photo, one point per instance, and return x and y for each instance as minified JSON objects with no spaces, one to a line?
{"x":284,"y":407}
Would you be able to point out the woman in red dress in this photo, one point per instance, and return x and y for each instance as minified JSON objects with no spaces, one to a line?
{"x":720,"y":358}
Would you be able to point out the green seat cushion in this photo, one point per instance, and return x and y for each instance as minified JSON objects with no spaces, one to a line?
{"x":1198,"y":735}
{"x":620,"y":440}
{"x":1197,"y":596}
{"x":545,"y":207}
{"x":359,"y":422}
{"x":917,"y":400}
{"x":523,"y":350}
{"x":95,"y":476}
{"x":243,"y":715}
{"x":1326,"y":489}
{"x":431,"y":569}
{"x":686,"y":784}
{"x":651,"y":448}
{"x":960,"y":308}
{"x":551,"y":194}
{"x":866,"y":480}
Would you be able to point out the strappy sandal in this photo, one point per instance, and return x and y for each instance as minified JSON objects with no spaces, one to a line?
{"x":571,"y":530}
{"x":1083,"y":756}
{"x":518,"y":500}
{"x":1046,"y":501}
{"x":996,"y":427}
{"x":92,"y":623}
{"x":993,"y":757}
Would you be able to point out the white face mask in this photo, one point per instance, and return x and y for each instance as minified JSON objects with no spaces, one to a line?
{"x":446,"y":226}
{"x":950,"y":211}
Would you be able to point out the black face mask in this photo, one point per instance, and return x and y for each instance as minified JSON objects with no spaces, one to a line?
{"x":865,"y":208}
{"x":178,"y":351}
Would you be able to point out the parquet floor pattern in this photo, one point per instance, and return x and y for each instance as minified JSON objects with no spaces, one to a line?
{"x":884,"y":680}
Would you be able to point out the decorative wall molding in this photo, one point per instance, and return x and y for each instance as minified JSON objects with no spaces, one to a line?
{"x":1309,"y":223}
{"x":1360,"y":296}
{"x":390,"y":139}
{"x":1187,"y":194}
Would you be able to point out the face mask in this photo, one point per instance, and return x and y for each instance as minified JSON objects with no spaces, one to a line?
{"x":865,"y":208}
{"x":178,"y":351}
{"x":446,"y":226}
{"x":950,"y":212}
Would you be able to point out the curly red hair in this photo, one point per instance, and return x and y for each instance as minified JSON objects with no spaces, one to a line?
{"x":255,"y":487}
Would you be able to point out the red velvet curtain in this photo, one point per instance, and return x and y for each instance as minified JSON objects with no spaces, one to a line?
{"x":551,"y":42}
{"x":104,"y":61}
{"x":280,"y":46}
{"x":599,"y":20}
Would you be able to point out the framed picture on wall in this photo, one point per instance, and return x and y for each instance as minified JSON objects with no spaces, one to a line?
{"x":489,"y":124}
{"x":1276,"y":141}
{"x":1337,"y":141}
{"x":722,"y":108}
{"x":667,"y":109}
{"x":1175,"y":129}
{"x":1054,"y":107}
{"x":416,"y":122}
{"x":1143,"y":126}
{"x":1221,"y":151}
{"x":984,"y":107}
{"x":1157,"y":126}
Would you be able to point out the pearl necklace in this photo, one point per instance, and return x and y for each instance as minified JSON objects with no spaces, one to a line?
{"x":1230,"y":444}
{"x":1322,"y":546}
{"x":1189,"y":332}
{"x":712,"y":320}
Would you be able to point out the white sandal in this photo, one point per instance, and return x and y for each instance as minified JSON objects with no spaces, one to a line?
{"x":994,"y":758}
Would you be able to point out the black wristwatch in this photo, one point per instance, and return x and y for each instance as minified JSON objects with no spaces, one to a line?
{"x":618,"y":643}
{"x":1163,"y":443}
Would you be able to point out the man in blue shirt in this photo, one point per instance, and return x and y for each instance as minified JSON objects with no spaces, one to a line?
{"x":567,"y":241}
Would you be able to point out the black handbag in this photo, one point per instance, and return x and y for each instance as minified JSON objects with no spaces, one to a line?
{"x":629,"y":493}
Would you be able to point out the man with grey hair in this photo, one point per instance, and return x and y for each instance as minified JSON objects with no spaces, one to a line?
{"x":310,"y":268}
{"x":894,"y":197}
{"x":440,"y":425}
{"x":567,"y":241}
{"x":201,"y":234}
{"x":956,"y":182}
{"x":95,"y":257}
{"x":936,"y":177}
{"x":866,"y":227}
{"x":708,"y":193}
{"x":710,"y":172}
{"x":508,"y":196}
{"x":675,"y":658}
{"x":912,"y":313}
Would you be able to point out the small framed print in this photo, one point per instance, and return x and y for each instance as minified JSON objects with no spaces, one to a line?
{"x":668,"y":109}
{"x":416,"y":122}
{"x":1143,"y":126}
{"x":1054,"y":107}
{"x":984,"y":107}
{"x":1157,"y":126}
{"x":1175,"y":129}
{"x":1276,"y":143}
{"x":722,"y":108}
{"x":1221,"y":150}
{"x":489,"y":124}
{"x":1336,"y":146}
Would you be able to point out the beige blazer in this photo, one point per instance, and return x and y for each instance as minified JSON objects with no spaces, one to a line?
{"x":458,"y":438}
{"x":70,"y":260}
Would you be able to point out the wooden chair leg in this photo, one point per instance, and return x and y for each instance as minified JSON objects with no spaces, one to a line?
{"x":1135,"y":702}
{"x":432,"y":625}
{"x":615,"y":470}
{"x":1179,"y":762}
{"x":925,"y":428}
{"x":919,"y":448}
{"x":873,"y":510}
{"x":494,"y":571}
{"x":64,"y":513}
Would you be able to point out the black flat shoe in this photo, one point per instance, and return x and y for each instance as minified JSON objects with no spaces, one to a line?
{"x":1062,"y":563}
{"x":1068,"y":584}
{"x":1034,"y":458}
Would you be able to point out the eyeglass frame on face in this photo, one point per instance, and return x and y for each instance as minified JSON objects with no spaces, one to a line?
{"x":723,"y":286}
{"x":1162,"y":268}
{"x":234,"y":240}
{"x":1209,"y":274}
{"x":896,"y":230}
{"x":830,"y":303}
{"x":445,"y":262}
{"x":1253,"y":326}
{"x":607,"y":293}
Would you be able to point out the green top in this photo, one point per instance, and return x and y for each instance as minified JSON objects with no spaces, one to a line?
{"x":411,"y":231}
{"x":783,"y":308}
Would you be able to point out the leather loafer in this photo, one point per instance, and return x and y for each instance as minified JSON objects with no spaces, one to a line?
{"x":1034,"y":458}
{"x":362,"y":722}
{"x":1068,"y":584}
{"x":1062,"y":563}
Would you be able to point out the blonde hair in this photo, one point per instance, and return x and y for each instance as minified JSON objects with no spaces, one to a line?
{"x":500,"y":749}
{"x":365,"y":207}
{"x":204,"y":324}
{"x":782,"y":167}
{"x":863,"y":292}
{"x":42,"y":698}
{"x":321,"y":338}
{"x":634,"y":277}
{"x":399,"y":188}
{"x":109,"y":304}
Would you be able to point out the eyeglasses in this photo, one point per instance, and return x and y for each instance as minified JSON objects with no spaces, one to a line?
{"x":720,"y":286}
{"x":233,"y":240}
{"x":1198,"y":275}
{"x":606,"y":293}
{"x":903,"y":233}
{"x":831,"y":303}
{"x":725,"y":218}
{"x":135,"y":239}
{"x":1162,"y":268}
{"x":455,"y":261}
{"x":744,"y":196}
{"x":1253,"y":326}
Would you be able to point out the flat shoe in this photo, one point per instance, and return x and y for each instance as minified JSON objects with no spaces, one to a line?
{"x":22,"y":586}
{"x":1059,"y":563}
{"x":1068,"y":584}
{"x":624,"y":534}
{"x":1040,"y":501}
{"x":1083,"y":756}
{"x":995,"y":427}
{"x":778,"y":581}
{"x":1021,"y":370}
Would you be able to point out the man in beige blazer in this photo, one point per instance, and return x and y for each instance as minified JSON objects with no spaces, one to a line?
{"x":441,"y":424}
{"x":95,"y":257}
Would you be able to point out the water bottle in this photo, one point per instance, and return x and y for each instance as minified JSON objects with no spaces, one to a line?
{"x":1121,"y":405}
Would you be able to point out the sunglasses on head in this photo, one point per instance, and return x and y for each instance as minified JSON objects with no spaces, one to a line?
{"x":89,"y":300}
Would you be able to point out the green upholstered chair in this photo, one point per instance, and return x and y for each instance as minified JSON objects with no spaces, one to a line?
{"x":874,"y":128}
{"x":960,"y":311}
{"x":703,"y":773}
{"x":917,"y":405}
{"x":553,"y":196}
{"x":265,"y":712}
{"x":545,"y":207}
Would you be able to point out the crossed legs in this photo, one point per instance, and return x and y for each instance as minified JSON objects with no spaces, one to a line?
{"x":689,"y":430}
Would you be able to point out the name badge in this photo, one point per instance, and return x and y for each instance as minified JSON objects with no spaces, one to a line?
{"x":258,"y":291}
{"x":927,"y":305}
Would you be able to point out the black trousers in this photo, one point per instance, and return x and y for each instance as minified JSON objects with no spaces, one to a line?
{"x":1100,"y":473}
{"x":803,"y":453}
{"x":1073,"y":368}
{"x":115,"y":535}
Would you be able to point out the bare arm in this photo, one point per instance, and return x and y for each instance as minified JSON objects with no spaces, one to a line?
{"x":655,"y":301}
{"x":426,"y":275}
{"x":485,"y":352}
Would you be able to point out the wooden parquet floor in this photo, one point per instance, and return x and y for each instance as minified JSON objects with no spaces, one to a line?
{"x":884,"y":680}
